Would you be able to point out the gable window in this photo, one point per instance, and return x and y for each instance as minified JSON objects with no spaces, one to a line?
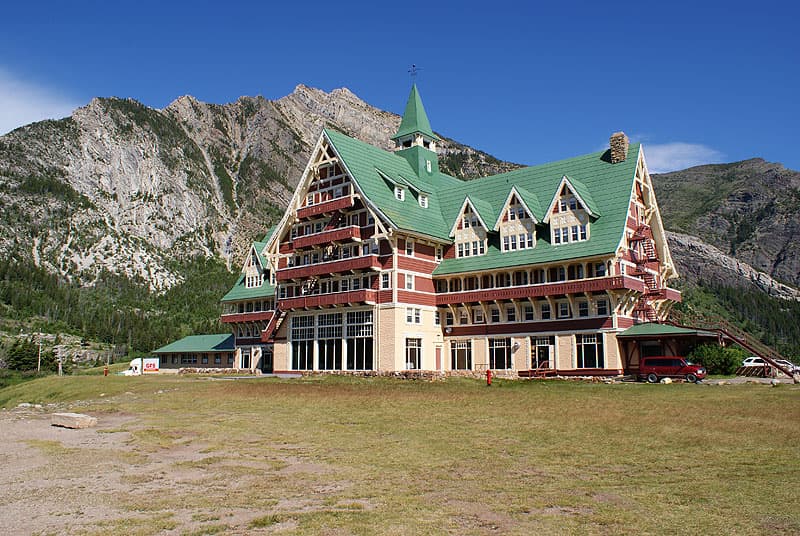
{"x":399,"y":193}
{"x":423,"y":201}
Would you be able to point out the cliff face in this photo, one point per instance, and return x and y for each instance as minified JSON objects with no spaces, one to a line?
{"x":749,"y":210}
{"x":125,"y":188}
{"x":128,"y":189}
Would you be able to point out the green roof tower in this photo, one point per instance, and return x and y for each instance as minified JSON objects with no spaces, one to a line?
{"x":415,"y":140}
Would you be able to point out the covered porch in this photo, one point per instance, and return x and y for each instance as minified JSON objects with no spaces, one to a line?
{"x":656,"y":339}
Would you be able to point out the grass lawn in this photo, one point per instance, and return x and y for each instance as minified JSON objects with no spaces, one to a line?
{"x":329,"y":455}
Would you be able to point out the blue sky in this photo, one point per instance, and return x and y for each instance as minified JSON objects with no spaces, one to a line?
{"x":696,"y":82}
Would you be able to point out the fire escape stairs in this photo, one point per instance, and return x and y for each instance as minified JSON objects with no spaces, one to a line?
{"x":644,"y":308}
{"x":268,"y":335}
{"x":695,"y":320}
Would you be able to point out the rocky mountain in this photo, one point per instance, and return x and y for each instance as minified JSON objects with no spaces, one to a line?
{"x":749,"y":210}
{"x":123,"y":188}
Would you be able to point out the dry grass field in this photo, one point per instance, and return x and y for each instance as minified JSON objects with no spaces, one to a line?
{"x":178,"y":455}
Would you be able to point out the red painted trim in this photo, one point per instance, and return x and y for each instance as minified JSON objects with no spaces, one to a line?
{"x":324,"y":237}
{"x":414,"y":264}
{"x":327,"y":206}
{"x":246,"y":317}
{"x":338,"y":298}
{"x":624,"y":322}
{"x":345,"y":265}
{"x":544,"y":289}
{"x":415,"y":298}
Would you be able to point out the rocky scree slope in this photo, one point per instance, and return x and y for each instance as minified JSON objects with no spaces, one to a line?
{"x":128,"y":189}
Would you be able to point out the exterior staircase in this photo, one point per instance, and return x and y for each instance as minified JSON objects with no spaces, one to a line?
{"x":644,"y":309}
{"x":268,"y":335}
{"x":725,"y":329}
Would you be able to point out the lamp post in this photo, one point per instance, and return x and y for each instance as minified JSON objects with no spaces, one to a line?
{"x":39,"y":360}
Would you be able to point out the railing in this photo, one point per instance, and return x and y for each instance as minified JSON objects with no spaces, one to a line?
{"x":333,"y":235}
{"x":253,"y":316}
{"x":617,"y":282}
{"x":364,"y":262}
{"x":719,"y":325}
{"x":327,"y":206}
{"x":322,"y":300}
{"x":268,"y":334}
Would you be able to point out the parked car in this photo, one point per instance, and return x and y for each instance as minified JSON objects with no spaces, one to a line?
{"x":653,"y":369}
{"x":788,"y":365}
{"x":753,"y":361}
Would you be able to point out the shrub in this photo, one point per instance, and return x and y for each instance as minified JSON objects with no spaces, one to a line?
{"x":717,"y":359}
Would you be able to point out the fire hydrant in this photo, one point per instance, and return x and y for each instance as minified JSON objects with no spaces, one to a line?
{"x":105,"y":370}
{"x":488,"y":377}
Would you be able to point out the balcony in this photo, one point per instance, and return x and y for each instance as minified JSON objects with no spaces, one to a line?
{"x":618,"y":282}
{"x":366,"y":262}
{"x":328,"y":206}
{"x":322,"y":300}
{"x":246,"y":317}
{"x":334,"y":235}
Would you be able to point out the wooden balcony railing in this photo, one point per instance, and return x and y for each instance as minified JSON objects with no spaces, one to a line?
{"x":322,"y":300}
{"x":366,"y":262}
{"x":324,"y":237}
{"x":246,"y":317}
{"x":328,"y":206}
{"x":617,"y":282}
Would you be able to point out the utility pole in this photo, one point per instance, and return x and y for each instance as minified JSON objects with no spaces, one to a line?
{"x":39,"y":361}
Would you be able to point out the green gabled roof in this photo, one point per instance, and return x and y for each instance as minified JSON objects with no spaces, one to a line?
{"x":241,"y":292}
{"x":259,"y":247}
{"x":218,"y":342}
{"x":530,"y":199}
{"x":584,"y":193}
{"x":270,"y":232}
{"x":364,"y":161}
{"x":609,"y":185}
{"x":414,"y":118}
{"x":654,"y":329}
{"x":484,"y":209}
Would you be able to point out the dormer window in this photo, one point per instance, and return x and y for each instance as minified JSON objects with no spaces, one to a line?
{"x":423,"y":200}
{"x":399,"y":193}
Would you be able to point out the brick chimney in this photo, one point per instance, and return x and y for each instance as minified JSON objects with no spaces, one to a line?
{"x":619,"y":147}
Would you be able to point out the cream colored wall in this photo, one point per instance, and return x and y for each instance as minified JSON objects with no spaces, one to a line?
{"x":611,"y":347}
{"x":564,"y":343}
{"x":520,"y":359}
{"x":393,"y":334}
{"x":280,"y":350}
{"x":570,"y":218}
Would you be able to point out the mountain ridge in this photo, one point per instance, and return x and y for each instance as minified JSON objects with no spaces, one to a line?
{"x":125,"y":188}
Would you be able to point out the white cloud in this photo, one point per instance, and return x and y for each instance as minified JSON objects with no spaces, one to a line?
{"x":665,"y":157}
{"x":23,"y":102}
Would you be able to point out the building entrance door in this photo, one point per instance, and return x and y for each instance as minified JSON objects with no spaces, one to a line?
{"x":266,"y":359}
{"x":438,"y":358}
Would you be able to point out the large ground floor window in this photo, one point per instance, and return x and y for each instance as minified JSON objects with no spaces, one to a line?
{"x":461,"y":355}
{"x":500,"y":353}
{"x":590,"y":351}
{"x":338,"y":341}
{"x":543,"y":352}
{"x":413,"y":354}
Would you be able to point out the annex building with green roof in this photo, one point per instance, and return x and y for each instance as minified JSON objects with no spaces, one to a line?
{"x":382,"y":262}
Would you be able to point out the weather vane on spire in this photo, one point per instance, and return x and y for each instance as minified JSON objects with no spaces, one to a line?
{"x":413,"y":71}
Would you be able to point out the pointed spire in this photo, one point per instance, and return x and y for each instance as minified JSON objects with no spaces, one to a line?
{"x":415,"y":120}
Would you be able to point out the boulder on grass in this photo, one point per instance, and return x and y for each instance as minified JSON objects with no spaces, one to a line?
{"x":73,"y":420}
